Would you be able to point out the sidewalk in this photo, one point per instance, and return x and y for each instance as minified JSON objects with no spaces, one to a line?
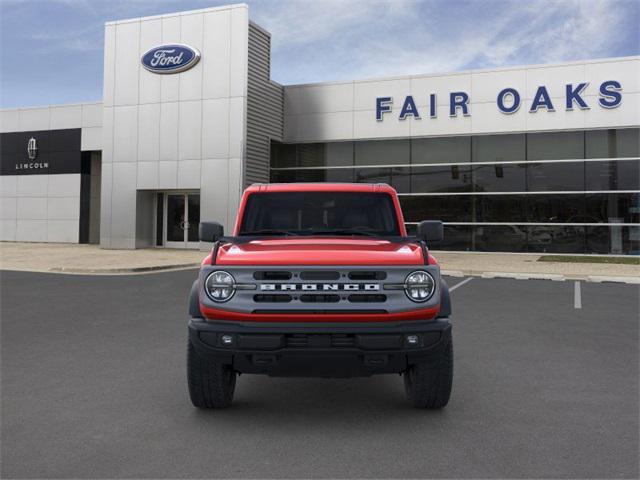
{"x":90,"y":259}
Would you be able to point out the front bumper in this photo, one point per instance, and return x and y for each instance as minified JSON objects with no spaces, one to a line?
{"x":319,"y":350}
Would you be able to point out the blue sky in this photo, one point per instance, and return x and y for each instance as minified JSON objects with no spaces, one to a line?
{"x":51,"y":51}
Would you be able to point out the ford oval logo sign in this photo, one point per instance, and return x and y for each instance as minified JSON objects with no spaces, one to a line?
{"x":171,"y":58}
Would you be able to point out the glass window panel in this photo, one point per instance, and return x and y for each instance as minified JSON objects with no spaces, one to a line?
{"x":612,"y":143}
{"x":447,"y":208}
{"x":500,"y":238}
{"x":194,"y":217}
{"x":556,"y":239}
{"x":456,"y":237}
{"x":555,"y":145}
{"x":339,"y":175}
{"x":499,"y":208}
{"x":613,"y":175}
{"x":398,"y":177}
{"x":339,"y":154}
{"x":613,"y":207}
{"x":559,"y":208}
{"x":283,"y":155}
{"x":310,"y":154}
{"x":548,"y":177}
{"x":382,"y":152}
{"x":441,"y":150}
{"x":499,"y":178}
{"x":446,"y":178}
{"x":499,"y":148}
{"x":613,"y":240}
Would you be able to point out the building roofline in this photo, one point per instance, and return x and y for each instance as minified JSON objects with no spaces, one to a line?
{"x":467,"y":72}
{"x":179,"y":14}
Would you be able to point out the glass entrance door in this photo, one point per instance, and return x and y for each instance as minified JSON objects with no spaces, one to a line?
{"x":182,"y":220}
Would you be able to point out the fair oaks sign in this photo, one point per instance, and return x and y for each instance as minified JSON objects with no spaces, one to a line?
{"x":173,"y":58}
{"x":508,"y":101}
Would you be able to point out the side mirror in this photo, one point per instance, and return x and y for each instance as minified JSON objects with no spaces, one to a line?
{"x":431,"y":231}
{"x":210,"y":231}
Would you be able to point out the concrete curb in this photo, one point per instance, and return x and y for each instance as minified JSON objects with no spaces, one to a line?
{"x":106,"y":271}
{"x":543,"y":276}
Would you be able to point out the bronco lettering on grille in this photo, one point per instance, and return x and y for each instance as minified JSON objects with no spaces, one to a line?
{"x":369,"y":287}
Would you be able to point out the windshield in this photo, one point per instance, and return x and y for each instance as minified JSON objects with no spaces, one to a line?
{"x":320,"y":213}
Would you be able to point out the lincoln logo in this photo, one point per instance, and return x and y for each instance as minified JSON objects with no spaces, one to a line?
{"x":32,"y":149}
{"x":170,"y":58}
{"x":325,"y":287}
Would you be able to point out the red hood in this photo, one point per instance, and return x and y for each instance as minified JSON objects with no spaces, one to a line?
{"x":320,"y":251}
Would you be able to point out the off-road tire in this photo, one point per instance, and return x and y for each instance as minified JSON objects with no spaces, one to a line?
{"x":211,"y":383}
{"x":427,"y":383}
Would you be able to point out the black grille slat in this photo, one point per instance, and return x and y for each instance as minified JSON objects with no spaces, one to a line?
{"x":367,"y":275}
{"x":319,"y":298}
{"x":363,"y":298}
{"x":272,"y":275}
{"x":273,"y":298}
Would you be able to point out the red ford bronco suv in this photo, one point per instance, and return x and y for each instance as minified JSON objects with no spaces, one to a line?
{"x":320,"y":280}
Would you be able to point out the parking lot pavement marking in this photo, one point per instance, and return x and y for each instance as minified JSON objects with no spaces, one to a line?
{"x":577,"y":296}
{"x":459,"y":284}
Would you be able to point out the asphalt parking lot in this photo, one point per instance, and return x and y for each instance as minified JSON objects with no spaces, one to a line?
{"x":93,"y":386}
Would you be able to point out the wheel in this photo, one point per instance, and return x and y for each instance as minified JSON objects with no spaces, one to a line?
{"x":428,"y":382}
{"x":211,"y":383}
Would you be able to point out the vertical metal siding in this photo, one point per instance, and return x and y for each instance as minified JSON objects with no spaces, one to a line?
{"x":265,"y":108}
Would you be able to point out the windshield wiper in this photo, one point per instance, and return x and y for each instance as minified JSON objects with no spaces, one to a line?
{"x":267,"y":231}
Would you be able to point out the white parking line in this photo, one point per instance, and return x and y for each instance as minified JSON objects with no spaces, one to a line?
{"x":577,"y":296}
{"x":459,"y":284}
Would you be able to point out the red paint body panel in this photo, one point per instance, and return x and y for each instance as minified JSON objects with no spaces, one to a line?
{"x":320,"y":251}
{"x":418,"y":314}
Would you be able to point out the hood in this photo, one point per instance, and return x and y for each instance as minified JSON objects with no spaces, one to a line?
{"x":320,"y":251}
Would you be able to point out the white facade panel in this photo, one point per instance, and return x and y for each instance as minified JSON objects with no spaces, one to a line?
{"x":238,"y":61}
{"x":32,"y":185}
{"x":147,"y":176}
{"x":422,"y":86}
{"x":329,"y":98}
{"x":169,"y":131}
{"x":149,"y":83}
{"x":8,"y":185}
{"x":9,"y":120}
{"x":168,"y":175}
{"x":189,"y":174}
{"x":149,"y":132}
{"x":191,"y":30}
{"x":126,"y":63}
{"x":485,"y":86}
{"x":216,"y":63}
{"x":62,"y":231}
{"x":8,"y":230}
{"x":31,"y":230}
{"x":170,"y":84}
{"x":63,"y":185}
{"x":91,"y":138}
{"x":215,"y":128}
{"x":91,"y":115}
{"x":626,"y":72}
{"x":31,"y":208}
{"x":65,"y":116}
{"x":8,"y":208}
{"x":33,"y":119}
{"x":63,"y":208}
{"x":125,"y":134}
{"x":365,"y":93}
{"x":109,"y":68}
{"x":190,"y":130}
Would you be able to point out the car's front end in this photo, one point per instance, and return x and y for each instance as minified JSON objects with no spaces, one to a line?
{"x":314,"y":301}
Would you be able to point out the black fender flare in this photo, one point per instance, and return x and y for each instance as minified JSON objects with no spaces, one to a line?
{"x":194,"y":300}
{"x":445,"y":300}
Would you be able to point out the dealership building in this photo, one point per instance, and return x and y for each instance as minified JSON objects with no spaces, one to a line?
{"x":541,"y":158}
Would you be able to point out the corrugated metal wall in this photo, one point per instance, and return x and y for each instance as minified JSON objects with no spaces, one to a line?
{"x":265,"y":108}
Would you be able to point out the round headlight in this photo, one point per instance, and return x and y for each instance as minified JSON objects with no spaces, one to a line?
{"x":220,"y":286}
{"x":419,"y":286}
